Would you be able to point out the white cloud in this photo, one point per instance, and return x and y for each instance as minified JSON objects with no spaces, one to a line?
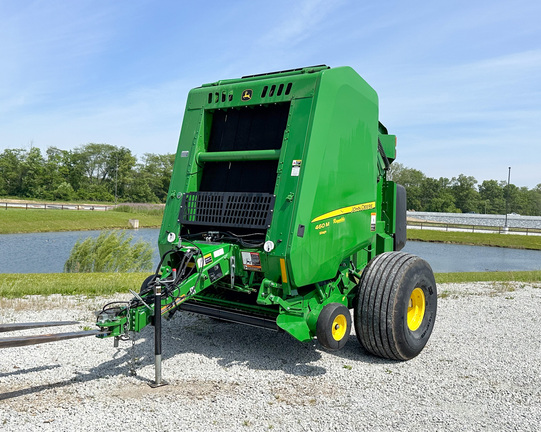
{"x":145,"y":121}
{"x":301,"y":20}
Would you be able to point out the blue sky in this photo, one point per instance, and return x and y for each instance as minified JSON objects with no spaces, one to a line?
{"x":459,"y":81}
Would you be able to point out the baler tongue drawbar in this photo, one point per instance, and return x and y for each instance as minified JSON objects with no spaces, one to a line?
{"x":18,"y":341}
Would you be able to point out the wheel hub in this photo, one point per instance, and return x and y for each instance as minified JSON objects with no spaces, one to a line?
{"x":416,"y":309}
{"x":339,"y":327}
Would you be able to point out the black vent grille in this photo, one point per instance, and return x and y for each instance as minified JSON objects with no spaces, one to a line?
{"x":227,"y":209}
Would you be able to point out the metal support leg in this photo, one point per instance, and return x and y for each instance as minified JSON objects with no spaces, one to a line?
{"x":158,"y":338}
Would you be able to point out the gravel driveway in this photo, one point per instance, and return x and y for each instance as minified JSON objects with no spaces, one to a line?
{"x":479,"y":371}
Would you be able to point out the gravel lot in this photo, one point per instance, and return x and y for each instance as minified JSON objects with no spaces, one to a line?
{"x":480,"y":371}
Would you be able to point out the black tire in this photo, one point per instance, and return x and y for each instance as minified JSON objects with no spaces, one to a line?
{"x":390,"y":283}
{"x":144,"y":285}
{"x":333,"y":326}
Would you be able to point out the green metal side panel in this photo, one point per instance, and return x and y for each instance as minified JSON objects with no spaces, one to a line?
{"x":338,"y":176}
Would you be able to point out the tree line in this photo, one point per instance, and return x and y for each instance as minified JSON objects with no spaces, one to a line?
{"x":463,"y":194}
{"x":103,"y":172}
{"x":93,"y":172}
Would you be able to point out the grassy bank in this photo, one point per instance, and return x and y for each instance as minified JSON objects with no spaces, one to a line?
{"x":91,"y":284}
{"x":38,"y":220}
{"x":477,"y":239}
{"x":511,"y":276}
{"x":98,"y":284}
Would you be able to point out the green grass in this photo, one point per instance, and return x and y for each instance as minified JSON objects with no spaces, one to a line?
{"x":100,"y":284}
{"x":509,"y":276}
{"x":40,"y":220}
{"x":477,"y":239}
{"x":147,"y":209}
{"x":89,"y":284}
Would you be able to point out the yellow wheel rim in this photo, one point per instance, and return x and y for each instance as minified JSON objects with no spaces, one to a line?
{"x":416,"y":309}
{"x":339,"y":327}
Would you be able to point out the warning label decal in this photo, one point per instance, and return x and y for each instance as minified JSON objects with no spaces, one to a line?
{"x":372,"y":221}
{"x":251,"y":261}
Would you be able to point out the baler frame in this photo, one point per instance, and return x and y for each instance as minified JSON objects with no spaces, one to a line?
{"x":280,"y":215}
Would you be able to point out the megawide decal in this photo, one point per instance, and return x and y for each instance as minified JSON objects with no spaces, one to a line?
{"x":346,"y":210}
{"x":246,"y":95}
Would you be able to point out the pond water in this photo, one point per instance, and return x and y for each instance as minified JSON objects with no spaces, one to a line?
{"x":47,"y":253}
{"x":445,"y":258}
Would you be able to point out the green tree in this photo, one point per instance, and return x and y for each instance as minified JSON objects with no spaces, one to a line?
{"x":524,"y":204}
{"x":104,"y":171}
{"x":535,"y":197}
{"x":159,"y":168}
{"x":394,"y":171}
{"x":64,"y":191}
{"x":491,"y":196}
{"x":152,"y":177}
{"x":430,"y":190}
{"x":465,"y":193}
{"x":139,"y":190}
{"x":412,"y":180}
{"x":56,"y":173}
{"x":437,"y":196}
{"x":512,"y":198}
{"x":11,"y":172}
{"x":32,"y":166}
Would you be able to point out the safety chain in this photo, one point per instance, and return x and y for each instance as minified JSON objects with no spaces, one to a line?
{"x":132,"y":360}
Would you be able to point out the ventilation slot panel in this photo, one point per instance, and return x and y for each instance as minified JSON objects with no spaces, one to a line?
{"x":227,"y":209}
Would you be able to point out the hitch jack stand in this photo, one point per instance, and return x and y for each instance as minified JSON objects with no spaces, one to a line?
{"x":158,"y":382}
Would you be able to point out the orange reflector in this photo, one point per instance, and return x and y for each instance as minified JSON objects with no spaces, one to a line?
{"x":283,"y":268}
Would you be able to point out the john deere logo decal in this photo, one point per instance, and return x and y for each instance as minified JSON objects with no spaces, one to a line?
{"x":246,"y":95}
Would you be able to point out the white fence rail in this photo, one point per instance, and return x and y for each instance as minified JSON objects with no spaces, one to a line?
{"x":439,"y":226}
{"x":28,"y":206}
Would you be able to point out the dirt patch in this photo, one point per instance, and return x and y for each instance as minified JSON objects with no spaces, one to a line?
{"x":305,"y":391}
{"x":190,"y":389}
